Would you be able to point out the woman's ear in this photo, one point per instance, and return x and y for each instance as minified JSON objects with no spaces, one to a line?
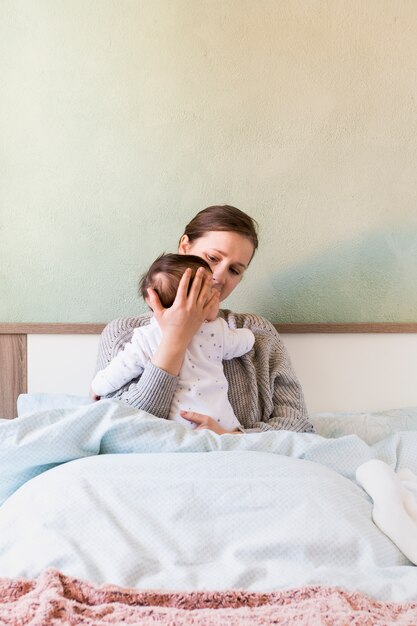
{"x":184,"y":245}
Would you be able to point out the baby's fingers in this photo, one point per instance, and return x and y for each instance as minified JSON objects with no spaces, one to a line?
{"x":196,"y":418}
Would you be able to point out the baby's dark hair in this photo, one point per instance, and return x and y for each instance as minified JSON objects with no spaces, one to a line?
{"x":165,"y":273}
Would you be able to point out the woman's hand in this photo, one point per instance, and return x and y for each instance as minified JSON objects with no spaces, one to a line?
{"x":189,"y":310}
{"x":181,"y":321}
{"x":204,"y":422}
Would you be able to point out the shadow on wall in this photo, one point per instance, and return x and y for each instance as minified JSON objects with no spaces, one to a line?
{"x":369,"y":279}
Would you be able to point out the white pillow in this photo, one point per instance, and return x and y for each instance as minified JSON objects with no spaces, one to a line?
{"x":371,"y":427}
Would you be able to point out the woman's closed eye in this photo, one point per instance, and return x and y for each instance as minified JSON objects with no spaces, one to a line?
{"x":213,"y":259}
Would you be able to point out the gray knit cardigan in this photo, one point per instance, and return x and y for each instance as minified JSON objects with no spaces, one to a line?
{"x":263,"y":388}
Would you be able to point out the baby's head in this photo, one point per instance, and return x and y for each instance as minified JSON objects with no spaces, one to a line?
{"x":165,"y":273}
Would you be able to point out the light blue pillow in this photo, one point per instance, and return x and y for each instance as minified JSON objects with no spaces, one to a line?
{"x":369,"y":426}
{"x":32,"y":402}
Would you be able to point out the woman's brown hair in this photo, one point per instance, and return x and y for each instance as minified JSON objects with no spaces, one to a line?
{"x":223,"y":217}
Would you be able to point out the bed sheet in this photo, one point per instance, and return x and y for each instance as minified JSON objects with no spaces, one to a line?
{"x":113,"y":495}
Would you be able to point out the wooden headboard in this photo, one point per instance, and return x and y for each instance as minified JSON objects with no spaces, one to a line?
{"x":14,"y":350}
{"x":14,"y":361}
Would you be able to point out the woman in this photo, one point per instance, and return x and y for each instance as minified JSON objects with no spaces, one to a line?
{"x":263,"y":389}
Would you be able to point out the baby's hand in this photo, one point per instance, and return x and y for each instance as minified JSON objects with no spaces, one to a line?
{"x":205,"y":422}
{"x":93,"y":396}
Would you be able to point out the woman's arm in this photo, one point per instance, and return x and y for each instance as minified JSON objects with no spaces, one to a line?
{"x":263,"y":388}
{"x":289,"y":411}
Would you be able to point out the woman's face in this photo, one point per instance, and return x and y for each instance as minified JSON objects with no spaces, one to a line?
{"x":227,"y":253}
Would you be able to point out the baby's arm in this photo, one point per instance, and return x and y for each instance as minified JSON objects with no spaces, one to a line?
{"x":124,"y":367}
{"x":236,"y":341}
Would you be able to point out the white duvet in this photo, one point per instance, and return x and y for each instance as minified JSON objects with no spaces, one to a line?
{"x":168,"y":508}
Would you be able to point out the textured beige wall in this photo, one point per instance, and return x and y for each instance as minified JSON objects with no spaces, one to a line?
{"x":121,"y":118}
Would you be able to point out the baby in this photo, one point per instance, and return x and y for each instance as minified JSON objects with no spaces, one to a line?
{"x":202,"y":386}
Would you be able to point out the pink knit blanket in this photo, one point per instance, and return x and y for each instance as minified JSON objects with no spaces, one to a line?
{"x":58,"y":599}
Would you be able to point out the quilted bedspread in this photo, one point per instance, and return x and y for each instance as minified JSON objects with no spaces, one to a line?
{"x":113,"y":495}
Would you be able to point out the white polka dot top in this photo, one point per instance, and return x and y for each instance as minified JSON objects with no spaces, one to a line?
{"x":202,"y":386}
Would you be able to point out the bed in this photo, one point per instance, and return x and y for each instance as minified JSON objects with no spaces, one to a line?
{"x":108,"y":514}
